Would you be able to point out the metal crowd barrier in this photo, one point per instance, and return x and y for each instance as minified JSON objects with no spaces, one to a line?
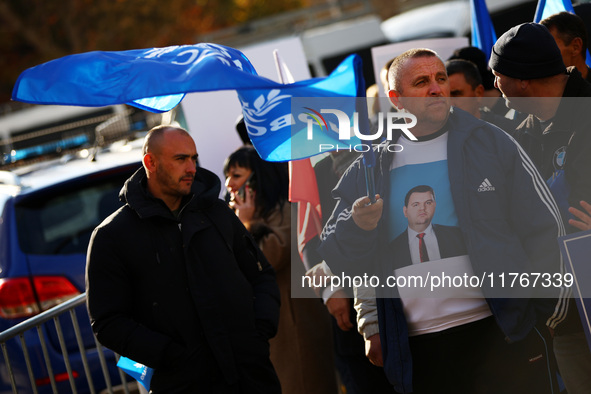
{"x":35,"y":323}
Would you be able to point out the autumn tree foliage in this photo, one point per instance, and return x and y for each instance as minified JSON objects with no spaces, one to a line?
{"x":36,"y":31}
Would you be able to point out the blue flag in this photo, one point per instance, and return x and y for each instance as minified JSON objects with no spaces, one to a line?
{"x":139,"y":372}
{"x":483,"y":31}
{"x":154,"y":79}
{"x":545,"y":8}
{"x":274,"y":119}
{"x":157,"y":79}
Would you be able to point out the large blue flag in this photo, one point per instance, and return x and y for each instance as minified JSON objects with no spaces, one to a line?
{"x":154,"y":79}
{"x":157,"y":79}
{"x":545,"y":8}
{"x":483,"y":31}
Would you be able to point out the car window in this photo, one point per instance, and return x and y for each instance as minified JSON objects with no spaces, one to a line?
{"x":61,"y":222}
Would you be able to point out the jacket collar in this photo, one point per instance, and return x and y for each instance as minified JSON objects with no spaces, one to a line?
{"x":568,"y":111}
{"x":204,"y":192}
{"x":459,"y":124}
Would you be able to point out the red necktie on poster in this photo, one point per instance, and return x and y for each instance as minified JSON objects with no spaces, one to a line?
{"x":422,"y":248}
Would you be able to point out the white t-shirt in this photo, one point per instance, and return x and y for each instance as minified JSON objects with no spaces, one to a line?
{"x":430,"y":309}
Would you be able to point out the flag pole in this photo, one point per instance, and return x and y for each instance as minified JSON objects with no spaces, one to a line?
{"x":285,"y":77}
{"x":369,"y":159}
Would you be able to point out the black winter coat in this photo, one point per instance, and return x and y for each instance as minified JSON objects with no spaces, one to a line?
{"x":565,"y":143}
{"x":194,"y":298}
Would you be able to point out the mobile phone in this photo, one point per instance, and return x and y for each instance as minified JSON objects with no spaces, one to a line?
{"x":242,"y":191}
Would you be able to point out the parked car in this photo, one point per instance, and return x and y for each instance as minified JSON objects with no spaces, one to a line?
{"x":47,"y":214}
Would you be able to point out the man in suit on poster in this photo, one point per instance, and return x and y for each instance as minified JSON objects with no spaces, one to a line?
{"x":425,"y":241}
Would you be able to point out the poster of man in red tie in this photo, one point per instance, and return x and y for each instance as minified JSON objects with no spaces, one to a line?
{"x":423,"y":240}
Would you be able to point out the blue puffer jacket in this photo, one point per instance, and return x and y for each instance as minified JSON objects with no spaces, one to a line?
{"x":511,"y":228}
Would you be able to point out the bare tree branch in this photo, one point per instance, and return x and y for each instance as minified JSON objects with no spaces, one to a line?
{"x":43,"y":45}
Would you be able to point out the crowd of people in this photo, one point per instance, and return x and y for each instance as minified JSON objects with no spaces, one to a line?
{"x":199,"y":288}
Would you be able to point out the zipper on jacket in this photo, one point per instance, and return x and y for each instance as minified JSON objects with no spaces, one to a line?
{"x":184,"y":206}
{"x":180,"y":215}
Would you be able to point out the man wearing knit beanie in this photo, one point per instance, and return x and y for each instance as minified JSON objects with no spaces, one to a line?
{"x":526,"y":52}
{"x":529,"y":71}
{"x":528,"y":55}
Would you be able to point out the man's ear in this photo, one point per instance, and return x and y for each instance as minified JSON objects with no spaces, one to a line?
{"x":149,"y":163}
{"x":404,"y":211}
{"x":577,"y":46}
{"x":395,"y":98}
{"x":479,"y":91}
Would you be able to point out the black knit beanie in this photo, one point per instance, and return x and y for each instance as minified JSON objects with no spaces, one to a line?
{"x":527,"y":51}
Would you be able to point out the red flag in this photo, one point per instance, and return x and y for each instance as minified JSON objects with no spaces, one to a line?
{"x":303,"y":189}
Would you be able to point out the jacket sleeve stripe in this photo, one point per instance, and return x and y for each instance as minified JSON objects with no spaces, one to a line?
{"x":330,"y":228}
{"x":547,"y":199}
{"x":542,"y":190}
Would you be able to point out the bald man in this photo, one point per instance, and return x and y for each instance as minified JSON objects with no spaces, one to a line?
{"x":175,"y":282}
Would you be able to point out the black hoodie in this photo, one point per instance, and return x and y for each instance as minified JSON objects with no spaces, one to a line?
{"x":192,"y":297}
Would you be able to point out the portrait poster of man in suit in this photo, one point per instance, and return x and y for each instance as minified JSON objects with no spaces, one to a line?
{"x":426,"y":248}
{"x":423,"y":240}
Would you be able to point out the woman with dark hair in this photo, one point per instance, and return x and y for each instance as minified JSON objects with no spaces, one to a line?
{"x":258,"y":189}
{"x":301,"y":352}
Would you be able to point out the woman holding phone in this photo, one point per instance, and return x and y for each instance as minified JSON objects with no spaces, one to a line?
{"x":301,"y":352}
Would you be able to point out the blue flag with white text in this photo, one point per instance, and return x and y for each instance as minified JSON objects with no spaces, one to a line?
{"x":483,"y":31}
{"x":157,"y":80}
{"x":138,"y":371}
{"x":277,"y":131}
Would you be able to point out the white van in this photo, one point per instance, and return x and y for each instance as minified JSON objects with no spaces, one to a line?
{"x":452,"y":19}
{"x":327,"y":46}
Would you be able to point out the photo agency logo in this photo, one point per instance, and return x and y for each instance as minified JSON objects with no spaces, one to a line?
{"x":336,"y":124}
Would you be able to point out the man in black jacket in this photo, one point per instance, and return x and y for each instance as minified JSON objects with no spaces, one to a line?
{"x":530,"y":71}
{"x":174,"y":280}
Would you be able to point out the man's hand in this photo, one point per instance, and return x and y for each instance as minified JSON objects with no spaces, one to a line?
{"x":373,"y":350}
{"x":366,"y":215}
{"x":339,"y":306}
{"x":585,"y":222}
